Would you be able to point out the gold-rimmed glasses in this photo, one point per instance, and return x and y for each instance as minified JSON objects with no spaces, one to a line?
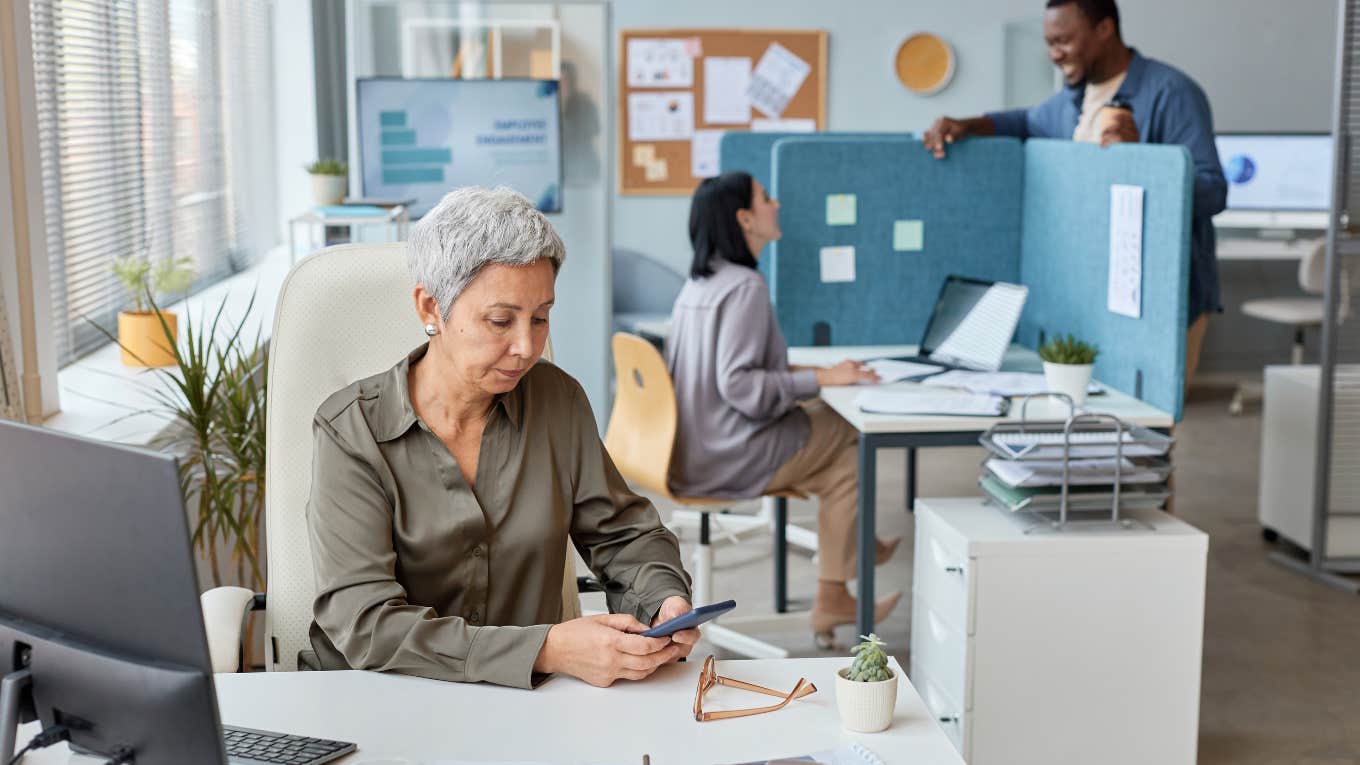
{"x":709,"y":677}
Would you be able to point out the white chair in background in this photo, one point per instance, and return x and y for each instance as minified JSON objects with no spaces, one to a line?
{"x":343,"y":314}
{"x":1299,"y":313}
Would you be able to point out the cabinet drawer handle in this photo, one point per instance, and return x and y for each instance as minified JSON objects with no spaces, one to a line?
{"x":954,"y":570}
{"x":950,"y":720}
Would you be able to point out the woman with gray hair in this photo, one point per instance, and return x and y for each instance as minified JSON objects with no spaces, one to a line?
{"x":444,"y":489}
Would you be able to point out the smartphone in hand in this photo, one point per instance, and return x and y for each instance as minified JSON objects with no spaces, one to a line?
{"x":690,"y":620}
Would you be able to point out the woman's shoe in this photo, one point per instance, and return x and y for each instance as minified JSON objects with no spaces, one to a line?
{"x":883,"y":551}
{"x":824,"y":622}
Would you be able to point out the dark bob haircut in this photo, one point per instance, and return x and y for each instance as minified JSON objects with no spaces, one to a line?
{"x":713,"y":228}
{"x":1096,"y":11}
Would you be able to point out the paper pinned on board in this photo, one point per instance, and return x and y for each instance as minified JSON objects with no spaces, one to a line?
{"x":777,"y":79}
{"x":841,"y":209}
{"x":909,"y":235}
{"x":666,"y":116}
{"x":643,"y":153}
{"x":657,"y":170}
{"x":726,"y":79}
{"x":660,"y":63}
{"x":703,"y":153}
{"x":791,"y":125}
{"x":1126,"y":250}
{"x":838,"y":264}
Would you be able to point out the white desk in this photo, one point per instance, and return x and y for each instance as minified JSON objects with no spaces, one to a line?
{"x":1255,"y":248}
{"x":409,"y":721}
{"x":885,"y":431}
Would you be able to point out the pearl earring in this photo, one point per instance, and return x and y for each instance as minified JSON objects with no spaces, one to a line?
{"x":431,"y":330}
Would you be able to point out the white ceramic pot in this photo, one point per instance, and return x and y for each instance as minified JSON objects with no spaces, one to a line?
{"x":866,"y":707}
{"x":1072,"y":379}
{"x":329,"y":189}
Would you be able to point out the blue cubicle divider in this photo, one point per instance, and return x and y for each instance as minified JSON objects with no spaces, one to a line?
{"x":1036,"y":213}
{"x":968,"y":204}
{"x":753,"y":152}
{"x":1065,"y":259}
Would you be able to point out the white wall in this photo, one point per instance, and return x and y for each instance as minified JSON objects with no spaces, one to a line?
{"x":294,"y":108}
{"x":1266,"y":65}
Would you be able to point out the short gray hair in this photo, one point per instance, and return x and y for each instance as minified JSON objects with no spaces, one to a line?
{"x":472,"y":228}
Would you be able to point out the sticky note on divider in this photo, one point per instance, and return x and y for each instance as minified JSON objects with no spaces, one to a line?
{"x":840,"y":209}
{"x":909,"y":235}
{"x":838,"y":264}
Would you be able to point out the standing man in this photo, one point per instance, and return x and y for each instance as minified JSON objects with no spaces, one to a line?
{"x":1150,"y":99}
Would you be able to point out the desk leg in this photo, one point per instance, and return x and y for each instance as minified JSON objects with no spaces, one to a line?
{"x":781,"y":555}
{"x":911,"y":479}
{"x":865,"y":559}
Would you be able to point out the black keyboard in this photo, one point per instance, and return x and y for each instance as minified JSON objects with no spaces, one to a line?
{"x":246,"y":746}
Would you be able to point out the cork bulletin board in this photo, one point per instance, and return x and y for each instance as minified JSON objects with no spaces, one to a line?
{"x":681,"y":89}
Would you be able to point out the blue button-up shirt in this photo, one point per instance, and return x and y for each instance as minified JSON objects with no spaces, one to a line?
{"x":1168,"y":107}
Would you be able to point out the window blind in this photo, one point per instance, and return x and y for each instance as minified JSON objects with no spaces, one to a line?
{"x":155,"y":121}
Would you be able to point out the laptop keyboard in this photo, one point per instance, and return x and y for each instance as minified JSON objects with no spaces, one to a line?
{"x":246,"y":746}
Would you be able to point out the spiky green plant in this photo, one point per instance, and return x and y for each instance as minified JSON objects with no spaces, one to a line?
{"x":328,"y":167}
{"x":214,"y":397}
{"x":1068,"y":350}
{"x":871,"y":663}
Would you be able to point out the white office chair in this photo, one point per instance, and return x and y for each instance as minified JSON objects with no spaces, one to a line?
{"x":1300,"y":313}
{"x":343,"y":314}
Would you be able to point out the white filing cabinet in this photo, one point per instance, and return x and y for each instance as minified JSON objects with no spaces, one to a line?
{"x":1051,"y":648}
{"x":1289,"y":434}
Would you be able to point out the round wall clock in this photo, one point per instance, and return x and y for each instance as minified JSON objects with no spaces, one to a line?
{"x":925,"y":63}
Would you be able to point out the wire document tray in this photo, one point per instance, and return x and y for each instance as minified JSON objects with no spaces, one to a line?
{"x":1085,"y":470}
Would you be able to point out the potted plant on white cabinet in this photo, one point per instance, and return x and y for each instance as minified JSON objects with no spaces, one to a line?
{"x":330,"y":181}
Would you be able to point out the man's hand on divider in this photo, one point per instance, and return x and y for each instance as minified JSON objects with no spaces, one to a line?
{"x":945,"y":130}
{"x":848,"y":372}
{"x":684,"y":639}
{"x":604,"y":648}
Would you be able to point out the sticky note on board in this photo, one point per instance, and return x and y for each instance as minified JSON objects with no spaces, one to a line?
{"x":643,"y":154}
{"x":657,"y":170}
{"x":840,"y":209}
{"x":838,"y":264}
{"x":909,"y":235}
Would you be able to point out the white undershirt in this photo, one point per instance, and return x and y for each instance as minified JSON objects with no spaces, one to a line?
{"x":1097,"y":95}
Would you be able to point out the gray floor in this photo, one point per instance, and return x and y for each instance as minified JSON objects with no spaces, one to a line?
{"x":1281,"y":678}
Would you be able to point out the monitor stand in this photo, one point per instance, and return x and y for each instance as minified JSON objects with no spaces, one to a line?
{"x":12,"y":689}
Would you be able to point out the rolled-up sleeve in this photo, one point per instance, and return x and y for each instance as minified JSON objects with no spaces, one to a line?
{"x":362,"y":608}
{"x":1043,"y":120}
{"x":618,"y":533}
{"x":744,"y":381}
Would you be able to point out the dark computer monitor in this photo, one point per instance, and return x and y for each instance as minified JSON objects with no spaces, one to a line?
{"x":99,"y":599}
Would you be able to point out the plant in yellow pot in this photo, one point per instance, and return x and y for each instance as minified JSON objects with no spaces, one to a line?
{"x":140,"y":333}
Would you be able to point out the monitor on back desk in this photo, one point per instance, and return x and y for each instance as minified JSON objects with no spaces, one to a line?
{"x":1276,"y":180}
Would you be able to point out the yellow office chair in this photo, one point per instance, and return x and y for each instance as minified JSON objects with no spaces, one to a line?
{"x":641,"y":439}
{"x":343,"y":314}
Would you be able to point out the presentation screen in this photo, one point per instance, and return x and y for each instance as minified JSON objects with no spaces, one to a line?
{"x":421,"y":138}
{"x":1277,"y":172}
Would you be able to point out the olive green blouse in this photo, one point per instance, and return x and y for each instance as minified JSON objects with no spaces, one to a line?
{"x":419,"y":573}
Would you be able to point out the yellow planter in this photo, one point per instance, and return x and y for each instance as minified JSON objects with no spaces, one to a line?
{"x":143,"y":339}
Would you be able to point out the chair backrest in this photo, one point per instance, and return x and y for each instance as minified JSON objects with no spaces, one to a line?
{"x":641,"y":432}
{"x":1313,"y":269}
{"x":642,"y":284}
{"x":343,"y":314}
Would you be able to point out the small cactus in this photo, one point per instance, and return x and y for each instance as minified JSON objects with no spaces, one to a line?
{"x":871,"y":663}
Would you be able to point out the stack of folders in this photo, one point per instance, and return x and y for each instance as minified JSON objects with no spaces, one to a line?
{"x":1026,"y":470}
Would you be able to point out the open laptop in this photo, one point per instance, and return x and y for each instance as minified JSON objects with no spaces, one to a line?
{"x":970,"y":327}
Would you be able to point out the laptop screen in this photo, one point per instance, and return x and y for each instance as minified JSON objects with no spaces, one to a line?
{"x":957,"y":299}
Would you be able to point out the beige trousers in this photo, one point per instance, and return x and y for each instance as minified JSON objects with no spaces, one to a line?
{"x":828,"y":466}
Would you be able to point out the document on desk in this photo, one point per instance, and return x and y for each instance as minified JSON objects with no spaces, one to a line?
{"x":1034,"y":473}
{"x":981,"y":338}
{"x":895,"y":370}
{"x":926,"y":401}
{"x":1000,"y":383}
{"x":853,"y":754}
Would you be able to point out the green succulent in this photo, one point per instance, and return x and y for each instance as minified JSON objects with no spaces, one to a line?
{"x":1068,"y":350}
{"x":328,"y":167}
{"x":871,"y":663}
